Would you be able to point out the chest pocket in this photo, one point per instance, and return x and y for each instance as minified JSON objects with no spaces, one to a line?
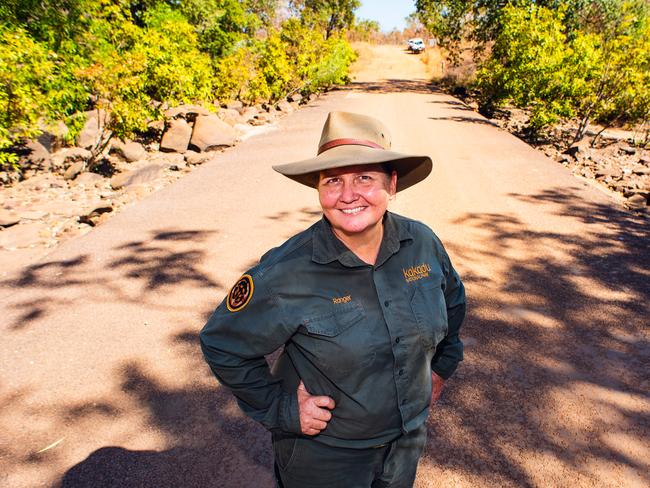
{"x":334,"y":341}
{"x":430,"y":311}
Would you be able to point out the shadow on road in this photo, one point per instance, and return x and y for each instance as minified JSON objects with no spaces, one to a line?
{"x":556,"y":378}
{"x":213,"y":444}
{"x":156,"y":263}
{"x":553,"y":391}
{"x":394,"y":86}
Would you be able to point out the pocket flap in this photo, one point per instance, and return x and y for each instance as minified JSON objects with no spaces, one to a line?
{"x":335,"y":322}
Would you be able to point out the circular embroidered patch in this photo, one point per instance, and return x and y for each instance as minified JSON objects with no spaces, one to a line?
{"x":240,"y":294}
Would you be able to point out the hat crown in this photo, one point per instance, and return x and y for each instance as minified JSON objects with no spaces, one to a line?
{"x":347,"y":125}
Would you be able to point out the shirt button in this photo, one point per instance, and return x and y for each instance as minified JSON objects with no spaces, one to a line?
{"x":386,"y":303}
{"x":397,"y":340}
{"x":400,"y":372}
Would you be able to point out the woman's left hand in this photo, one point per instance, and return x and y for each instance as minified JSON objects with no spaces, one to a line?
{"x":437,"y":383}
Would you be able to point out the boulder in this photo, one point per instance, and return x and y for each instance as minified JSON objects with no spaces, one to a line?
{"x":156,"y":125}
{"x":7,"y":219}
{"x":37,"y":157}
{"x":168,"y":159}
{"x":177,"y":136}
{"x":24,"y":235}
{"x":637,"y":201}
{"x":129,"y":151}
{"x":53,"y":135}
{"x":230,"y":116}
{"x":89,"y":179}
{"x":195,"y":158}
{"x":629,"y":150}
{"x":210,"y":133}
{"x":234,"y":105}
{"x":284,"y":106}
{"x":295,"y":97}
{"x":74,"y":170}
{"x":248,"y":113}
{"x":140,"y":176}
{"x":65,"y":157}
{"x":644,"y":160}
{"x":186,"y":112}
{"x":95,"y":216}
{"x":91,"y":133}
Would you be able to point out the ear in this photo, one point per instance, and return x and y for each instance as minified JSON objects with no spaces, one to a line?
{"x":392,"y":188}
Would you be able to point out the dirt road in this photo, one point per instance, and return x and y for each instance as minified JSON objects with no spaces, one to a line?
{"x":101,"y":378}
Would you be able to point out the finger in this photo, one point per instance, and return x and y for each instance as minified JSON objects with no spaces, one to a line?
{"x":322,"y":414}
{"x":324,"y":401}
{"x":317,"y":425}
{"x":310,"y":431}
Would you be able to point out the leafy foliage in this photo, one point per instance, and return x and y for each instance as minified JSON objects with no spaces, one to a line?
{"x":61,"y":59}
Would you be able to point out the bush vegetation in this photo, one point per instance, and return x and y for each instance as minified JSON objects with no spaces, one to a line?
{"x":574,"y":59}
{"x":61,"y":59}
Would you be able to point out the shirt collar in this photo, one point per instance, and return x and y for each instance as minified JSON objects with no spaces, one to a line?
{"x":328,"y":248}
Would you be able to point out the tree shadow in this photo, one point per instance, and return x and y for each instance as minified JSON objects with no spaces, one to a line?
{"x":556,"y":377}
{"x":212,"y":442}
{"x":472,"y":120}
{"x":394,"y":86}
{"x":168,"y":258}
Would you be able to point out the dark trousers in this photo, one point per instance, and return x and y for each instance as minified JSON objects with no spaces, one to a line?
{"x":301,"y":462}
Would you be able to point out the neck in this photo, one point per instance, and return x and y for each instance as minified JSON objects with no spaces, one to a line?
{"x":365,"y":245}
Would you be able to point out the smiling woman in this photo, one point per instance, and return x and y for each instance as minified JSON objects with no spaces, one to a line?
{"x":367,"y":308}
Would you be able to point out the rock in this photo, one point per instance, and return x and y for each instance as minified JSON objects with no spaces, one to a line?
{"x":32,"y":214}
{"x":91,"y":133}
{"x":313,"y":97}
{"x":630,"y":150}
{"x":295,"y":97}
{"x":156,"y":125}
{"x":284,"y":106}
{"x":65,"y":157}
{"x":178,"y":166}
{"x":234,"y":105}
{"x":230,"y":116}
{"x":39,"y":182}
{"x":23,"y":235}
{"x":145,"y":174}
{"x":210,"y":133}
{"x":641,"y":170}
{"x":644,"y":160}
{"x":95,"y":217}
{"x":37,"y":157}
{"x":129,"y":151}
{"x":195,"y":158}
{"x":90,"y":179}
{"x":74,"y":170}
{"x":177,"y":136}
{"x":7,"y":219}
{"x":612,"y":173}
{"x":167,"y":159}
{"x":53,"y":135}
{"x":249,"y":112}
{"x":636,"y":201}
{"x":186,"y":112}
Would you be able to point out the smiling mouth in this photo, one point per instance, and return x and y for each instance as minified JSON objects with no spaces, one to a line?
{"x":352,"y":211}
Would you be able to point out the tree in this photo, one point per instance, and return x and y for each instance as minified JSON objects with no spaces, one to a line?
{"x":332,"y":15}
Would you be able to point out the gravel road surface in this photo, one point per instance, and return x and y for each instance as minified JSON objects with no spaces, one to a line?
{"x":102,"y":383}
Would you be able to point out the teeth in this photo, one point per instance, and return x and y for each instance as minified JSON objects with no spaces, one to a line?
{"x":352,"y":210}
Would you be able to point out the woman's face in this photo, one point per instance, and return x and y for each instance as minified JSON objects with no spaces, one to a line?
{"x":354,"y":199}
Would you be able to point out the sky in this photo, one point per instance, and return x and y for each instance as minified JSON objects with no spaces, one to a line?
{"x":389,"y":13}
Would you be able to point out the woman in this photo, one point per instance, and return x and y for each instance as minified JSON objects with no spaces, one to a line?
{"x":367,"y":306}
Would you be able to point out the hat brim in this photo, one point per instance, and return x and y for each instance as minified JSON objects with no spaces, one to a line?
{"x":410,"y":169}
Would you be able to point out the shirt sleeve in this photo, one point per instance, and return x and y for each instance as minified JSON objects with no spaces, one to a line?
{"x":450,"y":350}
{"x":234,"y":344}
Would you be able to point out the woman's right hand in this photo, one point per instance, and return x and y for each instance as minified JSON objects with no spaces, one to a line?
{"x":314,"y":411}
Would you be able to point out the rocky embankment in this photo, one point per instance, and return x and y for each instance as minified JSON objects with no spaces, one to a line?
{"x":59,"y":198}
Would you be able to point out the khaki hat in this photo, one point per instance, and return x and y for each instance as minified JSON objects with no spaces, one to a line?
{"x":350,"y":139}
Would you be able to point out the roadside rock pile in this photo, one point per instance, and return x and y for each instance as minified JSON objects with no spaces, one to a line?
{"x":59,"y":198}
{"x":612,"y":162}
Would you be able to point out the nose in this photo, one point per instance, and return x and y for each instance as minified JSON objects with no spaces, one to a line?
{"x":348,"y":192}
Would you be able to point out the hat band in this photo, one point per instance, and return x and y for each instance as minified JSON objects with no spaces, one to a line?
{"x":347,"y":142}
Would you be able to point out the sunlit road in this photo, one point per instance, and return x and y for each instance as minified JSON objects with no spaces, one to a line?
{"x":101,"y":378}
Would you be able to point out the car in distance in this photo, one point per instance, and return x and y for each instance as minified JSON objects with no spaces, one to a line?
{"x":416,"y":45}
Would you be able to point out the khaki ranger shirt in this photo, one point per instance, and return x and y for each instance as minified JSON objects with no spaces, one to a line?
{"x":367,"y":336}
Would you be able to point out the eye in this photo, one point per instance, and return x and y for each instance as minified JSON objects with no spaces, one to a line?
{"x":364,"y":178}
{"x":332,"y":181}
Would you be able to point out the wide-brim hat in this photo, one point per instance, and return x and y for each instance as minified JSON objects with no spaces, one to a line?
{"x":350,"y":139}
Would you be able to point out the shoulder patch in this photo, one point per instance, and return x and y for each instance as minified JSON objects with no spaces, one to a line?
{"x":240,"y":294}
